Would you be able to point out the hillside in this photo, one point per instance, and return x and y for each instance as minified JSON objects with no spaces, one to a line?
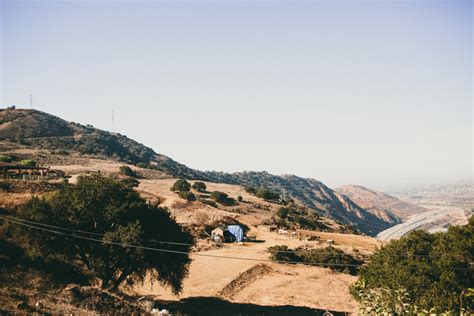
{"x":28,"y":129}
{"x":394,"y":210}
{"x":215,"y":274}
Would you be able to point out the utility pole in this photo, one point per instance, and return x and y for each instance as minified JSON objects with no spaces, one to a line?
{"x":113,"y":121}
{"x":31,"y":101}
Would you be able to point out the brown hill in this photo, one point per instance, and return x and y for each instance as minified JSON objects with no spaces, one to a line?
{"x":32,"y":129}
{"x":381,"y":204}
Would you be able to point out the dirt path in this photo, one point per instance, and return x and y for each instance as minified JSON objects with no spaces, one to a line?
{"x":267,"y":283}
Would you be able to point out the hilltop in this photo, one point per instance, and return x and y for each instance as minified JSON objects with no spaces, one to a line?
{"x":58,"y":140}
{"x":379,"y":202}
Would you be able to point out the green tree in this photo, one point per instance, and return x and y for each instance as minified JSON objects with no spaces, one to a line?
{"x":222,"y":198}
{"x":188,"y":196}
{"x":199,"y":186}
{"x":127,"y":171}
{"x":266,"y":194}
{"x":434,"y":271}
{"x":131,"y":182}
{"x":250,"y":190}
{"x":28,"y":162}
{"x":181,"y":185}
{"x":4,"y":158}
{"x":283,"y":212}
{"x":116,"y":212}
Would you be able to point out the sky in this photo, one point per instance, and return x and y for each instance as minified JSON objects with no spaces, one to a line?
{"x":375,"y":93}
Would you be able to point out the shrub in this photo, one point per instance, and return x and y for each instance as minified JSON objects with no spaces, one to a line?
{"x":328,"y":257}
{"x":118,"y":213}
{"x":181,"y":185}
{"x":282,"y":212}
{"x":130,"y":182}
{"x":127,"y":171}
{"x":222,"y":198}
{"x":208,"y":202}
{"x":239,"y":198}
{"x":61,"y":152}
{"x":188,"y":196}
{"x":283,"y":253}
{"x":5,"y":186}
{"x":250,"y":190}
{"x":433,"y":270}
{"x":199,"y":186}
{"x":4,"y":158}
{"x":28,"y":163}
{"x":266,"y":194}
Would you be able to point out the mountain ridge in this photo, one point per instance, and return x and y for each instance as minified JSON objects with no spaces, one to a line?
{"x":375,"y":202}
{"x":37,"y":129}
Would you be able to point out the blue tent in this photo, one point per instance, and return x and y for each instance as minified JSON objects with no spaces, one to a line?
{"x":236,"y":231}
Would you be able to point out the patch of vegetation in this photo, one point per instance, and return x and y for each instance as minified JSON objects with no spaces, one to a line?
{"x":328,"y":257}
{"x":115,"y":211}
{"x":4,"y":158}
{"x":240,"y":198}
{"x":127,"y":171}
{"x":199,"y":186}
{"x":222,"y":198}
{"x":263,"y":193}
{"x":28,"y":163}
{"x":131,"y":182}
{"x":250,"y":190}
{"x":422,"y":271}
{"x":267,"y":194}
{"x":181,"y":185}
{"x":188,"y":196}
{"x":208,"y":202}
{"x":290,"y":216}
{"x":61,"y":152}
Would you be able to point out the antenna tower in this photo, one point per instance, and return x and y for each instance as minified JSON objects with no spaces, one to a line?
{"x":113,"y":121}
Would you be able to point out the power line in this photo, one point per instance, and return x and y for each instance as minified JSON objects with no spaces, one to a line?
{"x":175,"y":251}
{"x":144,"y":240}
{"x":161,"y":241}
{"x":18,"y":221}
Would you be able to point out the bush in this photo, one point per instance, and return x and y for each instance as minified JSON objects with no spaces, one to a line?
{"x":433,"y":271}
{"x":222,"y":198}
{"x":118,"y":213}
{"x":181,"y":185}
{"x":250,"y":190}
{"x":61,"y":152}
{"x":282,"y":212}
{"x":208,"y":202}
{"x":130,"y":182}
{"x":268,"y":195}
{"x":127,"y":171}
{"x":4,"y":158}
{"x":199,"y":186}
{"x":239,"y":198}
{"x":300,"y":216}
{"x":188,"y":196}
{"x":328,"y":257}
{"x":283,"y":254}
{"x":28,"y":163}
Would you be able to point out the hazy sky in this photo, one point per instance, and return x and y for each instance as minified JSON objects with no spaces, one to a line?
{"x":366,"y":92}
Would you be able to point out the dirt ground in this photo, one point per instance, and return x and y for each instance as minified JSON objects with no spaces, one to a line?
{"x":244,"y":275}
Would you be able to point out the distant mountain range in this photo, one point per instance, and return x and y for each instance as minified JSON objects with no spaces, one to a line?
{"x":36,"y":129}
